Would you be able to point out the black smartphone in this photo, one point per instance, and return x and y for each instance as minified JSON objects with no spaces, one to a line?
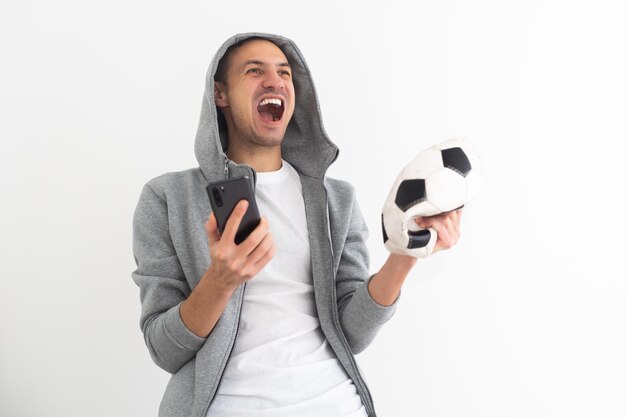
{"x":224,"y":196}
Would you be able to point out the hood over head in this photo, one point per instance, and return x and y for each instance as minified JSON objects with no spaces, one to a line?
{"x":306,"y":145}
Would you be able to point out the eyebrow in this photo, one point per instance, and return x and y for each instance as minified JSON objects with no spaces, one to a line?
{"x":261,"y":63}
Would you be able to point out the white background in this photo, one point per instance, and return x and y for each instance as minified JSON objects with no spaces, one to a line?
{"x":524,"y":317}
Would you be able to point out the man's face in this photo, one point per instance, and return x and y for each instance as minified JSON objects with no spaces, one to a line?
{"x":258,"y":97}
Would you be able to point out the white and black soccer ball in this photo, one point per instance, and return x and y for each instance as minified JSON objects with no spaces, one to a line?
{"x":441,"y":178}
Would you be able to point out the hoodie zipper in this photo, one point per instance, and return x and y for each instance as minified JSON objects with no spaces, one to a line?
{"x":360,"y":383}
{"x":226,"y":167}
{"x":243,"y":290}
{"x":230,"y":352}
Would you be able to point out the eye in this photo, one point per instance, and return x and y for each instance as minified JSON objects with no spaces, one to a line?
{"x":284,"y":73}
{"x":253,"y":71}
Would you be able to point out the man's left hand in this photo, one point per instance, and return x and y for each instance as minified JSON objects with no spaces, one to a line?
{"x":447,"y":225}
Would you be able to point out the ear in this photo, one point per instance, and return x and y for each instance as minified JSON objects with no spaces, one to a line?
{"x":219,"y":94}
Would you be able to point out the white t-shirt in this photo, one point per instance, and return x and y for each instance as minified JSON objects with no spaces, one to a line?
{"x":282,"y":364}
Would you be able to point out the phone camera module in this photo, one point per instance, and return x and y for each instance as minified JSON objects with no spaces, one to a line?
{"x":217,"y":197}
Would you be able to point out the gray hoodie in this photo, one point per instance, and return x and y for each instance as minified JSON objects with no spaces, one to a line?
{"x":171,"y":250}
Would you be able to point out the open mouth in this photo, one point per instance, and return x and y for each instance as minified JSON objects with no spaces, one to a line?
{"x":271,"y":109}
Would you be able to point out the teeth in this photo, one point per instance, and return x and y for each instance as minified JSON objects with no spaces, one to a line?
{"x":271,"y":101}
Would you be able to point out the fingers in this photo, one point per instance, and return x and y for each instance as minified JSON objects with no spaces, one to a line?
{"x":444,"y":238}
{"x":258,"y":249}
{"x":234,"y":220}
{"x":448,"y":227}
{"x":210,"y":227}
{"x":259,"y":258}
{"x":261,"y":250}
{"x":255,"y":237}
{"x":266,"y":258}
{"x":234,"y":263}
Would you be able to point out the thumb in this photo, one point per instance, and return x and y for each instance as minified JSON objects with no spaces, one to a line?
{"x":210,"y":227}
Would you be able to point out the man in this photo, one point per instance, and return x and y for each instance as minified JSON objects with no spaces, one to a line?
{"x":267,"y":327}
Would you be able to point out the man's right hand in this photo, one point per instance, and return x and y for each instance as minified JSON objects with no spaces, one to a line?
{"x":231,"y":265}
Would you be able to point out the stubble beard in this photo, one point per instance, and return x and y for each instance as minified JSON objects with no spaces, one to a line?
{"x":248,"y":139}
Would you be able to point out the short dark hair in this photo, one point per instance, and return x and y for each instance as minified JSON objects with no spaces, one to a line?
{"x":224,"y":64}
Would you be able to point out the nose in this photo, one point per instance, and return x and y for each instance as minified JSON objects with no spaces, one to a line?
{"x":273,"y":81}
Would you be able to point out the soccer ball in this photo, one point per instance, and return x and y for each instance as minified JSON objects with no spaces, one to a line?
{"x":441,"y":178}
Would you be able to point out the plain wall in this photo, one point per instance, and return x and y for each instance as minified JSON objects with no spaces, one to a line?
{"x":524,"y":317}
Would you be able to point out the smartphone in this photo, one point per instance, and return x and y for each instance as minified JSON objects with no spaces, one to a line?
{"x":224,"y":196}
